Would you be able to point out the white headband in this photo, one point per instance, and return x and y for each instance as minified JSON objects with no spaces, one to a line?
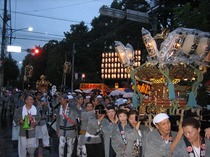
{"x":160,"y":117}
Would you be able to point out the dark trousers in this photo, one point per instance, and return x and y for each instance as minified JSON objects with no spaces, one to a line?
{"x":3,"y":111}
{"x":95,"y":150}
{"x":111,"y":150}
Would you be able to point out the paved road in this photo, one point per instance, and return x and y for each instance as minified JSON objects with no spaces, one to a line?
{"x":9,"y":148}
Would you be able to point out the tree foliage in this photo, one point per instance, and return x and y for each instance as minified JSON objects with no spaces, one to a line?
{"x":193,"y":16}
{"x":11,"y":72}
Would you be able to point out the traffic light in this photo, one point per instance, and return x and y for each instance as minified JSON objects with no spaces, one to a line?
{"x":35,"y":51}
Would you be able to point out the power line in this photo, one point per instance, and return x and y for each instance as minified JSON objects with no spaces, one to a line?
{"x":48,"y":17}
{"x":49,"y":34}
{"x":37,"y":36}
{"x":33,"y":39}
{"x":65,"y":6}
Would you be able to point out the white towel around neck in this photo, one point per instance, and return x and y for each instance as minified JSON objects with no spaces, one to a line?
{"x":31,"y":111}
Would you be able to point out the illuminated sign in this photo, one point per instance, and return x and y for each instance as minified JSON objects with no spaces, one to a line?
{"x":16,"y":49}
{"x":84,"y":86}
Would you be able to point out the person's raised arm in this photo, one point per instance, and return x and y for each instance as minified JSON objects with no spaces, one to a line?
{"x":177,"y":138}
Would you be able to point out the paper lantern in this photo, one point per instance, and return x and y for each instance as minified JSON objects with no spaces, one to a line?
{"x":121,"y":50}
{"x":149,"y":43}
{"x":130,"y":52}
{"x":202,"y":46}
{"x":188,"y":43}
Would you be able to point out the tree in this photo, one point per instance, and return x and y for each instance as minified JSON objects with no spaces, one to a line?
{"x":54,"y":63}
{"x":193,"y":16}
{"x":11,"y":72}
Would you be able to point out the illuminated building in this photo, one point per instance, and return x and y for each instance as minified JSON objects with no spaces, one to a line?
{"x":111,"y":67}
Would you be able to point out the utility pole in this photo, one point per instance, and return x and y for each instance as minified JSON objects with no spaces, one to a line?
{"x":72,"y":68}
{"x":64,"y":75}
{"x":3,"y":44}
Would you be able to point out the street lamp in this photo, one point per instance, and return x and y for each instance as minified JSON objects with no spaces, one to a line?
{"x":29,"y":29}
{"x":3,"y":47}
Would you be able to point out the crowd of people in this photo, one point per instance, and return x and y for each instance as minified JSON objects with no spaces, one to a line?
{"x":99,"y":126}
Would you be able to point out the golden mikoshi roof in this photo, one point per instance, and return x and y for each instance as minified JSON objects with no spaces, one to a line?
{"x":152,"y":73}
